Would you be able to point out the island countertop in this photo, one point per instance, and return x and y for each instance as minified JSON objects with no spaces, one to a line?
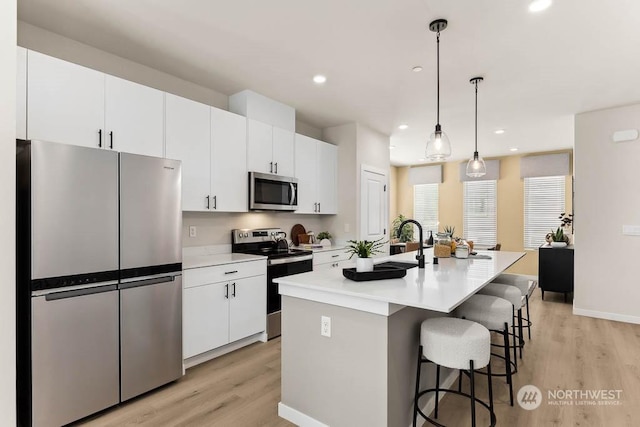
{"x":440,"y":287}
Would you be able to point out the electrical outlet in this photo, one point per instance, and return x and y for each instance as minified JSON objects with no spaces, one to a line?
{"x":192,"y":231}
{"x":325,"y":326}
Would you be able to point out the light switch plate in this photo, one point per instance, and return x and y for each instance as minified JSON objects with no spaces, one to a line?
{"x":325,"y":326}
{"x":631,"y":230}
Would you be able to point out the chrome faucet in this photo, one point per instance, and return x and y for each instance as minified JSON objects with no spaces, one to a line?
{"x":420,"y":256}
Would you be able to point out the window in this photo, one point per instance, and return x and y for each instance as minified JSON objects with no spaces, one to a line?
{"x":543,"y":204}
{"x":425,"y":208}
{"x":479,"y":215}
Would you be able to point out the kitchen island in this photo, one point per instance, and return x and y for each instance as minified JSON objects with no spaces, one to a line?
{"x":363,"y":374}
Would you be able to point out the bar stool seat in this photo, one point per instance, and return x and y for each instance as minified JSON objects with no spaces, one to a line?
{"x":495,"y":314}
{"x":514,"y":296}
{"x":457,"y":344}
{"x":527,"y":284}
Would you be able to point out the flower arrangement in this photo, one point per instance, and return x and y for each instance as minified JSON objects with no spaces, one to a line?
{"x":365,"y":248}
{"x":565,"y":221}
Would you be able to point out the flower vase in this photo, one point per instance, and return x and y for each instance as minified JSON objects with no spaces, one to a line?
{"x":364,"y":264}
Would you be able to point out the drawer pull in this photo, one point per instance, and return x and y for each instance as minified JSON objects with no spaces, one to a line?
{"x":231,"y":272}
{"x":335,"y":256}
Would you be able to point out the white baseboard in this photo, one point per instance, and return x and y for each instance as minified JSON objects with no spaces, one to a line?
{"x":608,"y":316}
{"x":220,"y":351}
{"x":297,"y":417}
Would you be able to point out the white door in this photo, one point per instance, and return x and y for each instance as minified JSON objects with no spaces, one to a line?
{"x":327,"y":178}
{"x":259,"y":147}
{"x":248,"y":312}
{"x":205,"y":318}
{"x":21,"y":94}
{"x":134,"y":118}
{"x":66,"y":102}
{"x":373,"y":204}
{"x":306,"y":172}
{"x":188,"y":140}
{"x":283,"y":151}
{"x":229,"y":178}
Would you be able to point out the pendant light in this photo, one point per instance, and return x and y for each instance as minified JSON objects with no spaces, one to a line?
{"x":438,"y":147}
{"x":476,"y":167}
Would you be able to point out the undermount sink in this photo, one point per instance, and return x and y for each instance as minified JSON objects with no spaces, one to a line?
{"x":397,"y":264}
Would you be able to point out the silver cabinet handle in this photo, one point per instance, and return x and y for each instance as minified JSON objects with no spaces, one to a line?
{"x":335,"y":256}
{"x":315,"y":207}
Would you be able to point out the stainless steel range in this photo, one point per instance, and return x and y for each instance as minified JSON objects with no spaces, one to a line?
{"x":281,"y":261}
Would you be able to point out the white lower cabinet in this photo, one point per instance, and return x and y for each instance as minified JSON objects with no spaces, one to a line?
{"x":215,"y":312}
{"x":336,"y":258}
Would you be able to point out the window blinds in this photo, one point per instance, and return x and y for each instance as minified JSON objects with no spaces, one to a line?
{"x":480,"y":212}
{"x":543,"y":204}
{"x":425,"y":208}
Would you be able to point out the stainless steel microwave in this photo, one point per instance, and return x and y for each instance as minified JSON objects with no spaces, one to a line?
{"x":270,"y":192}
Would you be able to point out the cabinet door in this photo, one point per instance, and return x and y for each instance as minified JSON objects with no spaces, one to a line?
{"x":229,"y":178}
{"x":305,"y":171}
{"x":134,"y":118}
{"x":283,"y":151}
{"x":259,"y":147}
{"x":327,"y":178}
{"x":21,"y":94}
{"x":188,"y":140}
{"x":248,"y":312}
{"x":205,"y":318}
{"x":66,"y":102}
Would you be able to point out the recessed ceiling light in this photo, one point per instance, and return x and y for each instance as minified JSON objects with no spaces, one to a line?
{"x":391,"y":147}
{"x":539,"y":5}
{"x":416,"y":69}
{"x":513,"y":149}
{"x":403,"y":126}
{"x":499,"y":131}
{"x":319,"y":79}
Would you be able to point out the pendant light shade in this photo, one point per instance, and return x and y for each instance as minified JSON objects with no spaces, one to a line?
{"x":476,"y":167}
{"x":438,"y":146}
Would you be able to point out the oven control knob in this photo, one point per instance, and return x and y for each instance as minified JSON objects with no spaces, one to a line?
{"x":245,"y":235}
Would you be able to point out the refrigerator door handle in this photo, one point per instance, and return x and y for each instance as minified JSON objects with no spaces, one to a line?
{"x":147,"y":282}
{"x":79,"y":292}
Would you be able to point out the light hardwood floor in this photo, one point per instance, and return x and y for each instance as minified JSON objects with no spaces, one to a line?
{"x":567,"y":352}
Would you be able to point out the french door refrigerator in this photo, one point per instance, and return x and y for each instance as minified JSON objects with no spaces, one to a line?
{"x":98,"y":279}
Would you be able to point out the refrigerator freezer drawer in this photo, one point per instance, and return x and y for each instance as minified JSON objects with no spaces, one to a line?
{"x":75,"y":355}
{"x":151,"y":336}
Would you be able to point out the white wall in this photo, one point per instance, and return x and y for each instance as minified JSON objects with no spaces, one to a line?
{"x":7,"y":211}
{"x":607,"y":196}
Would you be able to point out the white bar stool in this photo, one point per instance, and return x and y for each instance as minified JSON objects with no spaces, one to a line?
{"x":456,"y":344}
{"x":495,"y":314}
{"x":527,"y":284}
{"x":513,"y":295}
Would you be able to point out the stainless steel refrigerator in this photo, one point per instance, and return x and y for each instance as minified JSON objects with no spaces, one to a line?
{"x":99,"y":290}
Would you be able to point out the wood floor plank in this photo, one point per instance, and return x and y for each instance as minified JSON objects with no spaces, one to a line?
{"x":567,"y":352}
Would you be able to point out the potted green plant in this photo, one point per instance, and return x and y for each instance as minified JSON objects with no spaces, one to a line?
{"x":324,"y":237}
{"x":364,"y":249}
{"x":407,"y":231}
{"x":558,"y":238}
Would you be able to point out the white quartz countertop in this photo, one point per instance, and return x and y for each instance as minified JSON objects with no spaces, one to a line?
{"x":440,"y":287}
{"x":207,"y":260}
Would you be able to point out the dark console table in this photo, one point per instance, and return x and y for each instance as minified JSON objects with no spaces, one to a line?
{"x":555,"y":269}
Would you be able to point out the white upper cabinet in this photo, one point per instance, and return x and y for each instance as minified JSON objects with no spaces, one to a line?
{"x":21,"y":94}
{"x":134,"y":118}
{"x":316,"y":167}
{"x":65,"y":102}
{"x":188,"y":129}
{"x":259,"y":146}
{"x":327,"y":171}
{"x":229,"y":178}
{"x":305,"y":171}
{"x":283,"y":151}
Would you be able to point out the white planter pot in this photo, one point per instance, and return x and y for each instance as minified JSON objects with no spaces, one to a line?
{"x":364,"y":265}
{"x":558,"y":244}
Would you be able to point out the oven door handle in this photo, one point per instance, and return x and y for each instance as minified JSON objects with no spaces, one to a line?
{"x":289,"y":260}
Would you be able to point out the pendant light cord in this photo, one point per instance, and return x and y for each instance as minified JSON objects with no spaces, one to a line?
{"x":476,"y":150}
{"x":438,"y":78}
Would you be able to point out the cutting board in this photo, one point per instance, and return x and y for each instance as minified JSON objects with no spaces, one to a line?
{"x":295,"y":230}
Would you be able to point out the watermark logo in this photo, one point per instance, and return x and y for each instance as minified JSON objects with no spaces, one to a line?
{"x":529,"y":397}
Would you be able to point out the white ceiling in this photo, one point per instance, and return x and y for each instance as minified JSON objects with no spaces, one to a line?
{"x":539,"y":69}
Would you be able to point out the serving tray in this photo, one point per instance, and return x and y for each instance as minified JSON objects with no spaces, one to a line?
{"x":378,"y":273}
